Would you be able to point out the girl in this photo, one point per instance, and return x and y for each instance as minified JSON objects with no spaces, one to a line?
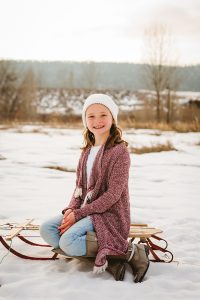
{"x":97,"y":220}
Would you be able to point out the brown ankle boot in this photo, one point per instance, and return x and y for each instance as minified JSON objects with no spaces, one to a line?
{"x":137,"y":258}
{"x":116,"y":267}
{"x":139,"y":262}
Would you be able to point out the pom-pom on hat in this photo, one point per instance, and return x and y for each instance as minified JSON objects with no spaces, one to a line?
{"x":100,"y":99}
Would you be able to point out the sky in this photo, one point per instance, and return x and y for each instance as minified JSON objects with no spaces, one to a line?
{"x":96,"y":30}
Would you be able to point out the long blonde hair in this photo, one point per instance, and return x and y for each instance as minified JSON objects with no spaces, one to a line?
{"x":114,"y":138}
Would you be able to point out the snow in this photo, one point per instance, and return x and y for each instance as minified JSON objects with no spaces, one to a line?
{"x":54,"y":102}
{"x":164,"y":191}
{"x":189,"y":94}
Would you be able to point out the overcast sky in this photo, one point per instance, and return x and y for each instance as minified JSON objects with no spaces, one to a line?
{"x":98,"y":30}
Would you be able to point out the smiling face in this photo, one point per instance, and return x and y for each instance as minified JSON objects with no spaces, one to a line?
{"x":99,"y":120}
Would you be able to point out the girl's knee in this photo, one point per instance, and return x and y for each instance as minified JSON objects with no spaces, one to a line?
{"x":45,"y":228}
{"x":66,"y":242}
{"x":50,"y":225}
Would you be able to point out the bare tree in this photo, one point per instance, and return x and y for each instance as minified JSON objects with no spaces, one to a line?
{"x":8,"y":90}
{"x":159,"y":67}
{"x":27,"y":97}
{"x":172,"y":85}
{"x":17,"y":93}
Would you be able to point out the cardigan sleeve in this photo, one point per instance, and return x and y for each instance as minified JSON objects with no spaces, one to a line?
{"x":75,"y":202}
{"x":117,"y":181}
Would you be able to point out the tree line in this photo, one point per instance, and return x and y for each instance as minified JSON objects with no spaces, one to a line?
{"x":19,"y":93}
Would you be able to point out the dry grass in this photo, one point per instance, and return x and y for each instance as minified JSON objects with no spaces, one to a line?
{"x":18,"y":125}
{"x":5,"y":127}
{"x":154,"y":148}
{"x":59,"y":168}
{"x":34,"y":130}
{"x":176,"y":126}
{"x":123,"y":123}
{"x":186,"y":127}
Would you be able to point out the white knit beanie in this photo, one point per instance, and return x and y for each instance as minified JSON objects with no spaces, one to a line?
{"x":100,"y":99}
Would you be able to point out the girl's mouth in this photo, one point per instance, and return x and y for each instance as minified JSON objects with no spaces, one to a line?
{"x":98,"y":127}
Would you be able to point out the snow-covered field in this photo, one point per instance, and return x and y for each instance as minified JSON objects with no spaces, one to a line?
{"x":164,"y":191}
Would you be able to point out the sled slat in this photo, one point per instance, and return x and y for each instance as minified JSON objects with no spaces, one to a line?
{"x":142,"y":231}
{"x":139,"y":224}
{"x":16,"y":231}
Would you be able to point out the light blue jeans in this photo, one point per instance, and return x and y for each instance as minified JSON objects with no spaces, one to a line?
{"x":72,"y":241}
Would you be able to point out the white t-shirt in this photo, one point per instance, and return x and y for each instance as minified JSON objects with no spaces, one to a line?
{"x":91,"y":157}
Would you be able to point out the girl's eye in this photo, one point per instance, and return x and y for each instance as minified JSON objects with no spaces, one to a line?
{"x":90,"y":117}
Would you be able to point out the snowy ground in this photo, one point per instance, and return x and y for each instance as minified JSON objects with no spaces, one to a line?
{"x":164,"y":191}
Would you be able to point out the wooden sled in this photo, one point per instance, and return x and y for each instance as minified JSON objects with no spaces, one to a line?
{"x":148,"y":235}
{"x":15,"y":232}
{"x":141,"y":233}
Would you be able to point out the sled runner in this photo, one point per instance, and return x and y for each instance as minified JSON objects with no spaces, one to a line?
{"x":15,"y":232}
{"x":141,"y":233}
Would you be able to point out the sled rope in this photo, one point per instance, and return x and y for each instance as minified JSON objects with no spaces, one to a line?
{"x":8,"y":252}
{"x":179,"y":262}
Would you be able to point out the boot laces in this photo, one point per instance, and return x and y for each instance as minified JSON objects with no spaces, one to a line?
{"x":132,"y":252}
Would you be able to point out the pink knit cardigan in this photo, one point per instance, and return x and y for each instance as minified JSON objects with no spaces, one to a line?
{"x":107,"y":199}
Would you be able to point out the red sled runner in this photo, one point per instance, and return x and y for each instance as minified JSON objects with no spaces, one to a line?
{"x":141,"y":233}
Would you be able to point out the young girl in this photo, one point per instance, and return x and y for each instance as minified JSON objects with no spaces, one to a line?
{"x":97,"y":220}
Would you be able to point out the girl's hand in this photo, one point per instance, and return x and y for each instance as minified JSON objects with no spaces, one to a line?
{"x":68,"y":211}
{"x":67,"y":222}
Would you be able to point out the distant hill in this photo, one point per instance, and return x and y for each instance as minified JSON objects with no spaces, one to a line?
{"x":95,"y":75}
